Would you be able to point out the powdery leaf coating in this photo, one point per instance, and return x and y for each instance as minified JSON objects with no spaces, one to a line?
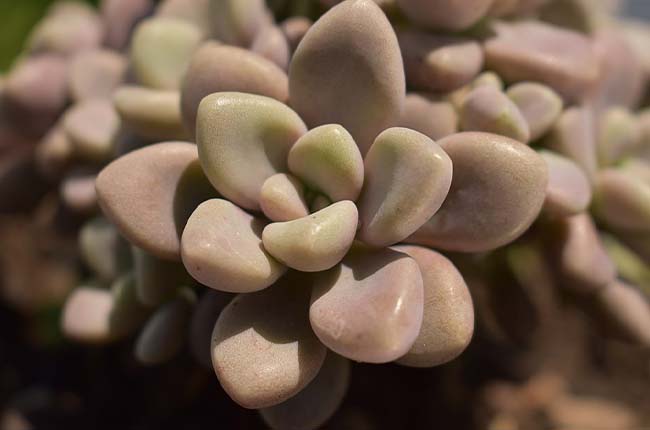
{"x":196,"y":12}
{"x":448,"y":320}
{"x":407,"y":179}
{"x":96,"y":74}
{"x":102,"y":249}
{"x":165,"y":333}
{"x":161,"y":49}
{"x":294,"y":29}
{"x":92,"y":127}
{"x":573,"y":136}
{"x":317,"y":402}
{"x":282,"y":198}
{"x":149,"y":113}
{"x":315,"y":242}
{"x":568,"y":191}
{"x":497,"y":191}
{"x":533,"y":51}
{"x":327,"y":159}
{"x":457,"y":97}
{"x":539,"y":104}
{"x":439,"y":63}
{"x":120,"y":17}
{"x":436,"y":119}
{"x":222,"y":248}
{"x":263,"y":349}
{"x":215,"y":68}
{"x":77,"y":190}
{"x":203,"y":320}
{"x":628,"y":311}
{"x":490,"y":110}
{"x":348,"y":70}
{"x":237,"y":22}
{"x":581,"y":259}
{"x":445,"y":14}
{"x":150,"y":193}
{"x":622,"y":200}
{"x":243,"y":140}
{"x":156,"y":280}
{"x":271,"y":44}
{"x":618,"y":136}
{"x":369,"y":307}
{"x":86,"y":315}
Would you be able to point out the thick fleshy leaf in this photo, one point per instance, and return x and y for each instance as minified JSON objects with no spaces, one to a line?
{"x":568,"y":191}
{"x":222,"y":249}
{"x":497,"y":191}
{"x":120,"y":17}
{"x":77,"y":190}
{"x":128,"y":314}
{"x":618,"y":136}
{"x":315,"y":242}
{"x":369,"y":308}
{"x":625,"y":310}
{"x":86,"y":315}
{"x":196,"y":12}
{"x":157,"y":280}
{"x":407,"y":178}
{"x":539,"y":104}
{"x":149,"y":113}
{"x":348,"y":70}
{"x":580,"y":258}
{"x":237,"y":22}
{"x":317,"y":402}
{"x":263,"y":349}
{"x":436,"y":119}
{"x":439,"y":63}
{"x":204,"y":317}
{"x":54,"y":153}
{"x":96,"y":74}
{"x":150,"y":193}
{"x":533,"y":51}
{"x":327,"y":159}
{"x":161,"y":49}
{"x":448,"y":319}
{"x":622,"y":200}
{"x":445,"y":14}
{"x":490,"y":110}
{"x":243,"y":140}
{"x":294,"y":29}
{"x":271,"y":44}
{"x":165,"y":333}
{"x":573,"y":136}
{"x":282,"y":198}
{"x":92,"y":127}
{"x":215,"y":68}
{"x":103,"y":250}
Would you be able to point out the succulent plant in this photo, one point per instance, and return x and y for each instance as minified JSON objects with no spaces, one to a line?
{"x":343,"y":186}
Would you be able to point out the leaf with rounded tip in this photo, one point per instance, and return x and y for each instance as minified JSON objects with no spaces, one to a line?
{"x":618,"y":136}
{"x":539,"y":104}
{"x":150,"y":193}
{"x":568,"y":191}
{"x":96,"y":74}
{"x":317,"y":402}
{"x":497,"y":191}
{"x":263,"y":349}
{"x":534,"y":51}
{"x":77,"y":190}
{"x":165,"y":333}
{"x":215,"y":68}
{"x":625,"y":309}
{"x":161,"y":49}
{"x":315,"y":242}
{"x":149,"y":113}
{"x":439,"y":63}
{"x":490,"y":110}
{"x":271,"y":44}
{"x":128,"y":313}
{"x":282,"y":198}
{"x":203,"y":320}
{"x":86,"y":315}
{"x":622,"y":200}
{"x":407,"y":179}
{"x":580,"y":258}
{"x":448,"y":319}
{"x":435,"y":119}
{"x":196,"y":12}
{"x":445,"y":14}
{"x":369,"y":307}
{"x":222,"y":249}
{"x":326,"y":158}
{"x":120,"y":17}
{"x":54,"y":153}
{"x":348,"y":70}
{"x":237,"y":22}
{"x":102,"y":249}
{"x":92,"y":127}
{"x":573,"y":136}
{"x":157,"y":280}
{"x":294,"y":29}
{"x":243,"y":140}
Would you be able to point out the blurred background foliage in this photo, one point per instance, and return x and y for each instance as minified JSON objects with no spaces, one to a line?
{"x":17,"y":17}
